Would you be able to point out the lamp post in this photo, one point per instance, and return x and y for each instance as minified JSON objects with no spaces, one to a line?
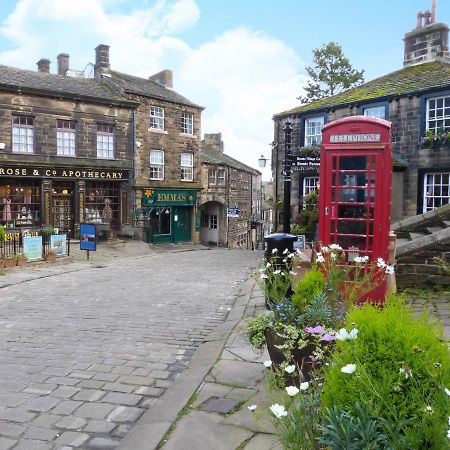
{"x":287,"y":178}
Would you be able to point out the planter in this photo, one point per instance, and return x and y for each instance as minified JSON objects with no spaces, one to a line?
{"x":22,"y":262}
{"x":301,"y":358}
{"x":2,"y":263}
{"x":10,"y":263}
{"x":50,"y":257}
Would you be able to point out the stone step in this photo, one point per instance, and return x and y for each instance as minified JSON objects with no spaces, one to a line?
{"x":446,"y":223}
{"x":432,"y":230}
{"x":415,"y":235}
{"x":426,"y":241}
{"x":402,"y":241}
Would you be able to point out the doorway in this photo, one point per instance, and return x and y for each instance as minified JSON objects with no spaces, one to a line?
{"x":182,"y":224}
{"x":62,"y":205}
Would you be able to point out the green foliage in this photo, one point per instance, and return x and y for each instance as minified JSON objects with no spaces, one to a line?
{"x":331,"y":73}
{"x":2,"y":233}
{"x":312,"y":283}
{"x":47,"y":230}
{"x":402,"y":368}
{"x":256,"y":328}
{"x":318,"y":311}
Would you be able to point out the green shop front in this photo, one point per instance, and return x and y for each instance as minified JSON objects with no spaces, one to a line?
{"x":168,"y":215}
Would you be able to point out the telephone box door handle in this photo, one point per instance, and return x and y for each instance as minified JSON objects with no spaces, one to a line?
{"x":327,"y":210}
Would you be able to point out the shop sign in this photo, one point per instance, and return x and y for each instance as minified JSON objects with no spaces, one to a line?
{"x":300,"y":243}
{"x":165,"y":197}
{"x":233,"y":212}
{"x":63,"y":172}
{"x":59,"y":243}
{"x":88,"y":237}
{"x":306,"y":163}
{"x":32,"y":247}
{"x":362,"y":137}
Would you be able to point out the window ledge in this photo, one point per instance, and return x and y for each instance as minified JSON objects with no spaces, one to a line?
{"x":157,"y":130}
{"x":188,"y":135}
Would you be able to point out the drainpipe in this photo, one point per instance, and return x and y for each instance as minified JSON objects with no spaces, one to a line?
{"x":227,"y":206}
{"x":133,"y":171}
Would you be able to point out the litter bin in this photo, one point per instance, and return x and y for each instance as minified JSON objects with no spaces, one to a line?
{"x":280,"y":241}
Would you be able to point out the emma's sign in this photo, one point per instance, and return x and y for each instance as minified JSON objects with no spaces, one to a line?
{"x":363,"y":137}
{"x":63,"y":172}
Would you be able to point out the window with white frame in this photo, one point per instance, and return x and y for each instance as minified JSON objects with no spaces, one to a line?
{"x":375,"y":111}
{"x":22,"y":134}
{"x":313,"y":130}
{"x":310,"y":184}
{"x":105,"y":141}
{"x":216,"y":177}
{"x":156,"y":164}
{"x":156,"y":118}
{"x":438,"y":114}
{"x":65,"y":137}
{"x":221,"y":177}
{"x":187,"y":123}
{"x":187,"y":167}
{"x":436,"y":190}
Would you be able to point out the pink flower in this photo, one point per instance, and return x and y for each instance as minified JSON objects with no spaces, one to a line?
{"x":328,"y":337}
{"x":315,"y":330}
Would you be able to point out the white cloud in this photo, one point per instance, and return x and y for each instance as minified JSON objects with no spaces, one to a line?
{"x":242,"y":77}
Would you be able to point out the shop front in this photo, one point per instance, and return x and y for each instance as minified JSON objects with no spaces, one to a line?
{"x":63,"y":197}
{"x":167,"y":215}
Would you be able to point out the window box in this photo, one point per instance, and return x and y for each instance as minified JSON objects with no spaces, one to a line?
{"x":435,"y":140}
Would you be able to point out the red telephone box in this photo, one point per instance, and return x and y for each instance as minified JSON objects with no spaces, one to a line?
{"x":355,"y":188}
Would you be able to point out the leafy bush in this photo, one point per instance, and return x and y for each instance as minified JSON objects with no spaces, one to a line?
{"x":2,"y":233}
{"x":312,"y":283}
{"x":256,"y":328}
{"x":402,"y":369}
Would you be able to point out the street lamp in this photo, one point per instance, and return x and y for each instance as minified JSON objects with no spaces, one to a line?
{"x":262,"y":161}
{"x":287,"y":177}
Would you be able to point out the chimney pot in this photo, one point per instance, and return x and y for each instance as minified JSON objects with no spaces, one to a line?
{"x":43,"y":65}
{"x":63,"y":63}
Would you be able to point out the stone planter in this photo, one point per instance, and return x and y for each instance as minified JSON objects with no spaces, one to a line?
{"x":49,"y":257}
{"x":22,"y":262}
{"x":10,"y":263}
{"x":2,"y":263}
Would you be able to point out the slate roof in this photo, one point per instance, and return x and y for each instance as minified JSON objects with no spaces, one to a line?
{"x":37,"y":82}
{"x":149,"y":88}
{"x":212,"y":156}
{"x":426,"y":77}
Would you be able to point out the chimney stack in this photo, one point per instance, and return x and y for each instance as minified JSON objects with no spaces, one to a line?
{"x":214,"y":141}
{"x":101,"y":60}
{"x":44,"y":65}
{"x":165,"y":78}
{"x":63,"y":63}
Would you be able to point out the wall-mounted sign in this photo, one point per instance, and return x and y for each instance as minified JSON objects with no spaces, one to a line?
{"x":233,"y":212}
{"x":300,"y":243}
{"x":88,"y":237}
{"x":63,"y":172}
{"x":32,"y":247}
{"x":362,"y":137}
{"x":59,"y":243}
{"x":165,"y":197}
{"x":306,"y":163}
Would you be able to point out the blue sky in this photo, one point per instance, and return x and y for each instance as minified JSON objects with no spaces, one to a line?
{"x":242,"y":59}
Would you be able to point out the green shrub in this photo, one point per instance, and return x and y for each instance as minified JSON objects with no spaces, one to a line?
{"x":402,"y":368}
{"x":2,"y":233}
{"x":312,"y":283}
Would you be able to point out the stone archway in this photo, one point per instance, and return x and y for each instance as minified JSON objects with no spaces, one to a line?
{"x":213,"y":224}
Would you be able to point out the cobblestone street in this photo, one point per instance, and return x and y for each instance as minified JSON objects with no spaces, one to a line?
{"x":85,"y":349}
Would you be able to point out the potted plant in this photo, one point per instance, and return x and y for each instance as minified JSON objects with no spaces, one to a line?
{"x":10,"y":261}
{"x":21,"y":259}
{"x":50,"y":256}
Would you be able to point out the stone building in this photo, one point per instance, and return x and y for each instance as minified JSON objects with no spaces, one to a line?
{"x":231,"y":202}
{"x":167,"y":154}
{"x":416,"y":99}
{"x":66,"y":150}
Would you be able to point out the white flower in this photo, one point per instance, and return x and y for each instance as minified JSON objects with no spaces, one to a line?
{"x":252,"y":407}
{"x":344,"y":335}
{"x":428,"y":409}
{"x":293,"y":273}
{"x":406,"y":371}
{"x":290,"y":369}
{"x":285,"y":260}
{"x":278,"y":411}
{"x":286,"y":251}
{"x":267,"y":363}
{"x":447,"y":391}
{"x":304,"y":386}
{"x":349,"y":368}
{"x":291,"y":255}
{"x":320,"y":258}
{"x":448,"y":434}
{"x":292,"y":390}
{"x":268,"y":265}
{"x":274,"y":250}
{"x":357,"y":259}
{"x":333,"y":255}
{"x":264,"y":276}
{"x":381,"y":263}
{"x":389,"y":270}
{"x":277,"y":272}
{"x":335,"y":247}
{"x":324,"y":249}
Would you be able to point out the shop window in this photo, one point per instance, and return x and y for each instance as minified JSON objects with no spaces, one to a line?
{"x":156,"y":118}
{"x":65,"y":137}
{"x":156,"y":164}
{"x":102,"y":203}
{"x":187,"y":167}
{"x":20,"y":203}
{"x":187,"y":123}
{"x":22,"y":134}
{"x":105,"y":141}
{"x":159,"y":220}
{"x":436,"y":190}
{"x":438,"y":114}
{"x":313,"y":130}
